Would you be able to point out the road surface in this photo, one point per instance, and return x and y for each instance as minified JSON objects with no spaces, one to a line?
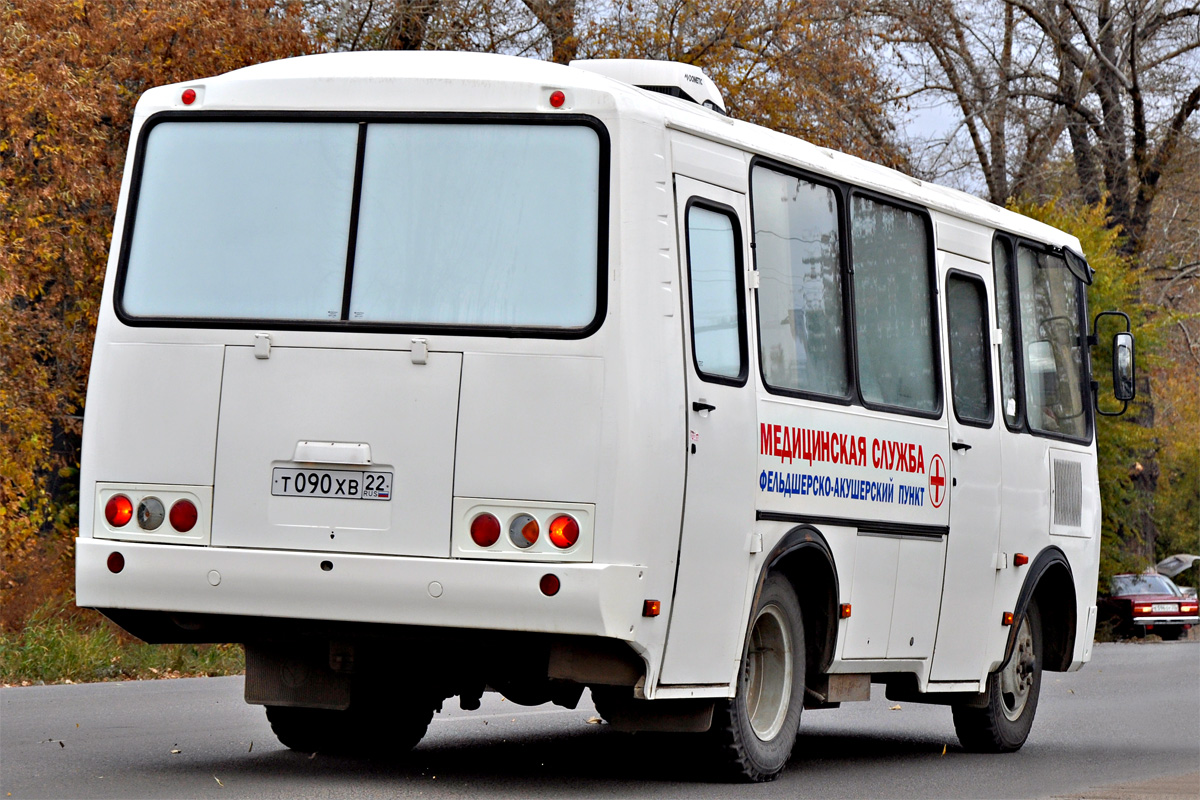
{"x":1126,"y":726}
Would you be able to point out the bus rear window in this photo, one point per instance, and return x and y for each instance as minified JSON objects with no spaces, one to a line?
{"x":453,"y":224}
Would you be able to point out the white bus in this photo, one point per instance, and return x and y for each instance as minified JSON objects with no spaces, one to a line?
{"x":422,"y":374}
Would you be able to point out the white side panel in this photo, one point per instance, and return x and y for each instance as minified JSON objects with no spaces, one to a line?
{"x":875,"y":561}
{"x":405,"y":412}
{"x":963,"y":238}
{"x":152,"y":413}
{"x":918,"y":597}
{"x":530,"y":427}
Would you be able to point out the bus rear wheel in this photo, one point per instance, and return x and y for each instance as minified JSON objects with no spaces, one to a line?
{"x":379,"y":730}
{"x":756,"y":729}
{"x":1003,"y":724}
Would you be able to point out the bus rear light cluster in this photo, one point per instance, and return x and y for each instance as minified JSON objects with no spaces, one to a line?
{"x":150,"y":513}
{"x":153,"y":513}
{"x":524,"y":530}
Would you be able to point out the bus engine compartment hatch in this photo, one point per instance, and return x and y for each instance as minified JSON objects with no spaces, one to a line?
{"x":396,"y":501}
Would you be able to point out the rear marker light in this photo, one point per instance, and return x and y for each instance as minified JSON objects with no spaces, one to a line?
{"x":651,"y":608}
{"x":485,"y":530}
{"x":150,"y":513}
{"x":118,"y":511}
{"x":183,"y":516}
{"x":116,"y":562}
{"x":844,"y":611}
{"x":523,"y":531}
{"x":189,"y":96}
{"x":549,"y":584}
{"x":1007,"y":619}
{"x":1020,"y":559}
{"x":557,"y":99}
{"x":564,"y":531}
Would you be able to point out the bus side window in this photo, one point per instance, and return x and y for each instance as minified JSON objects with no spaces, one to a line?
{"x":797,"y":249}
{"x":970,"y":367}
{"x":715,"y":286}
{"x":893,"y":309}
{"x":1010,"y":399}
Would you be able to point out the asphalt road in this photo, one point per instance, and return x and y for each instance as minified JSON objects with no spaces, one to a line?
{"x":1131,"y":717}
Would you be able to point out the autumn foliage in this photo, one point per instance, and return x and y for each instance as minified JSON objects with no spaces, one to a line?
{"x":70,"y":74}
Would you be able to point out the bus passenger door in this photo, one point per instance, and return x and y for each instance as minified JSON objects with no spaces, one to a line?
{"x":969,"y":585}
{"x":703,"y":642}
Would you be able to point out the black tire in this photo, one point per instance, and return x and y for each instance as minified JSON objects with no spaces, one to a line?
{"x":370,"y":731}
{"x":1169,"y":633}
{"x":1003,"y":724}
{"x":756,"y":730}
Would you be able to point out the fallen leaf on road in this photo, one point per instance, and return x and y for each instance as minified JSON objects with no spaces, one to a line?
{"x":895,"y":708}
{"x":594,"y":721}
{"x":251,"y":747}
{"x":176,"y":752}
{"x":218,"y":780}
{"x":943,"y":749}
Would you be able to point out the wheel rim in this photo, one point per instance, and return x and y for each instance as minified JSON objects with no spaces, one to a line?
{"x":1016,"y":679}
{"x":768,"y":673}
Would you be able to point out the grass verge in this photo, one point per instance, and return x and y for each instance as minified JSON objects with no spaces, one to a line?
{"x":57,"y":646}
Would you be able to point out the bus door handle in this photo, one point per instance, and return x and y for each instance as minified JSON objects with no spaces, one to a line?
{"x":700,"y":405}
{"x":960,"y":445}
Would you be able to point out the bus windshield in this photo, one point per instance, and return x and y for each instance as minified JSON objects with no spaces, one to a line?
{"x":457,"y":224}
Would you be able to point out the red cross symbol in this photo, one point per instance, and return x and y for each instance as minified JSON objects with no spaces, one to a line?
{"x":937,"y":482}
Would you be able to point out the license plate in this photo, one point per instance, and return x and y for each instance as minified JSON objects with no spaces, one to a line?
{"x":341,"y":483}
{"x":1172,"y":607}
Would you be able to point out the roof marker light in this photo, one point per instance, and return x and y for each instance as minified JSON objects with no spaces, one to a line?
{"x":557,"y":98}
{"x":189,"y":96}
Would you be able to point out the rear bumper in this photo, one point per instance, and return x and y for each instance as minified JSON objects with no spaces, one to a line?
{"x":1181,"y":620}
{"x":594,"y":599}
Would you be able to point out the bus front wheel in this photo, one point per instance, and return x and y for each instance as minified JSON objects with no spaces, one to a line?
{"x":1003,"y":723}
{"x":756,"y":729}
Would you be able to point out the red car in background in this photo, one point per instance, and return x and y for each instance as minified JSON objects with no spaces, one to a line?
{"x":1148,"y":603}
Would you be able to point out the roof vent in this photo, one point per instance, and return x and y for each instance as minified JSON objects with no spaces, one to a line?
{"x":668,"y":77}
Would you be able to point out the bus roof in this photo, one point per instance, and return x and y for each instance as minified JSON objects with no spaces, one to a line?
{"x":434,"y":81}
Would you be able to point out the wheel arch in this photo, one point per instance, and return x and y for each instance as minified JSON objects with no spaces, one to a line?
{"x":1052,"y":583}
{"x":805,"y":559}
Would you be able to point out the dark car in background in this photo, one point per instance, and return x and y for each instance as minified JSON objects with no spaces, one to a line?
{"x":1148,"y":603}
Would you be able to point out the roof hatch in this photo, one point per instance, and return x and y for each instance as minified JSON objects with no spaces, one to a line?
{"x":668,"y":77}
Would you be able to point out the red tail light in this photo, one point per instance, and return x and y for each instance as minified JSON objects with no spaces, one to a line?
{"x":1142,"y":609}
{"x":118,"y":511}
{"x":1188,"y":607}
{"x":183,"y":516}
{"x":485,"y":530}
{"x":564,"y":531}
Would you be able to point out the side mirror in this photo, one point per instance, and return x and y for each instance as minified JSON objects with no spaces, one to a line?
{"x":1123,"y":369}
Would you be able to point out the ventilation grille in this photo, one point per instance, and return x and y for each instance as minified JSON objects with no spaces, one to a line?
{"x":1068,"y":493}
